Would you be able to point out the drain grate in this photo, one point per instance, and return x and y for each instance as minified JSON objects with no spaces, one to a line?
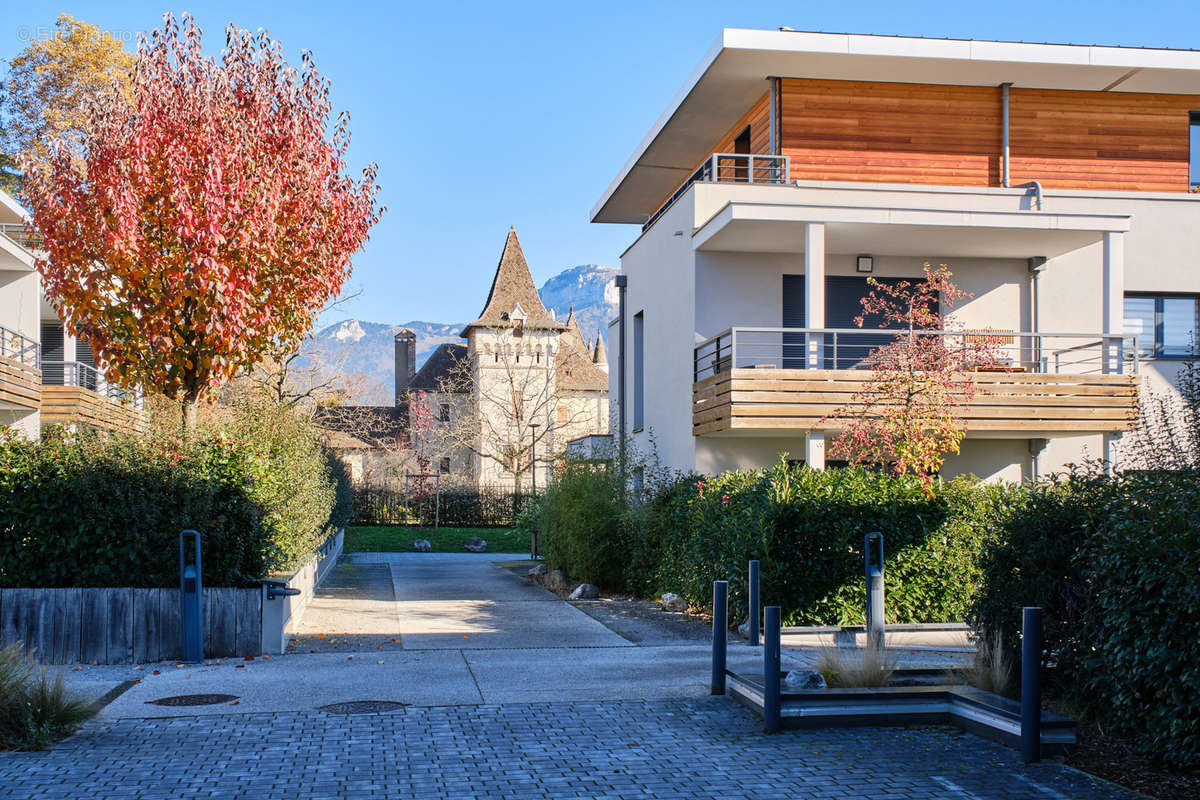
{"x":362,"y":707}
{"x":193,"y":700}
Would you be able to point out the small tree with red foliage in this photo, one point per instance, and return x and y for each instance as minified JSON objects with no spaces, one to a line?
{"x":909,"y":412}
{"x":208,"y":217}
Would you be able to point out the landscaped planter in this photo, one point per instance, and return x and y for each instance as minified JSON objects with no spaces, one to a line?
{"x":982,"y":713}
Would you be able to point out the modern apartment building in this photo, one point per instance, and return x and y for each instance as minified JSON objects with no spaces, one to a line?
{"x":47,"y":376}
{"x":1056,"y":182}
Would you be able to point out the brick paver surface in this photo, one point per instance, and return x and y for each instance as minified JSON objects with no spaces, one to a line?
{"x":687,"y":749}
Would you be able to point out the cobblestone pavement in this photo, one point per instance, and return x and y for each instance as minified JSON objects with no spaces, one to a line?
{"x":688,"y":749}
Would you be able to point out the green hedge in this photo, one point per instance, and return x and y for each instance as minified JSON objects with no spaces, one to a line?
{"x":106,"y":511}
{"x":582,"y":530}
{"x":1115,"y":564}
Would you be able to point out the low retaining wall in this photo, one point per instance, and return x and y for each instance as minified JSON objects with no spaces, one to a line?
{"x":125,"y":625}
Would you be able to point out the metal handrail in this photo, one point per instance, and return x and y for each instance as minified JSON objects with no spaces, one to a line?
{"x":852,"y":348}
{"x":22,"y":234}
{"x":19,"y":347}
{"x":85,"y":376}
{"x":731,"y":168}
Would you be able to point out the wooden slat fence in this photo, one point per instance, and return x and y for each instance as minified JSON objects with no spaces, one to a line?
{"x":124,"y":625}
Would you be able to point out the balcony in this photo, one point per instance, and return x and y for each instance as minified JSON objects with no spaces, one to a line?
{"x":25,"y":236}
{"x":771,"y":381}
{"x":20,"y":378}
{"x":78,"y":393}
{"x":748,"y":168}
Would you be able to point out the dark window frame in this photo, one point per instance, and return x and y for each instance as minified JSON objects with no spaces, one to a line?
{"x":1193,"y":156}
{"x":1158,"y":350}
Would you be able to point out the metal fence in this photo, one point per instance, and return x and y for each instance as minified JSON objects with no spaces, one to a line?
{"x":19,"y":347}
{"x":731,"y":168}
{"x":85,"y":376}
{"x":24,"y":235}
{"x":433,"y":506}
{"x":853,"y":348}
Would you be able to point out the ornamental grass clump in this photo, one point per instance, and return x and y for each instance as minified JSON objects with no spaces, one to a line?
{"x":35,"y":712}
{"x":857,"y":668}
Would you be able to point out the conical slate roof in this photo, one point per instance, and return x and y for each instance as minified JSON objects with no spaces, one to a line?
{"x":574,"y":365}
{"x":513,"y":286}
{"x":599,"y":356}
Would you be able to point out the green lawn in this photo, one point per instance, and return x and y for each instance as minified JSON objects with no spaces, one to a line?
{"x":400,"y":538}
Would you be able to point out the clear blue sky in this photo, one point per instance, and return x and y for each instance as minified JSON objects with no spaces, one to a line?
{"x":488,"y":114}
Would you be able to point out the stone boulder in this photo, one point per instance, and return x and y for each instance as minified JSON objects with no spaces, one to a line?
{"x":555,"y":581}
{"x":476,"y":545}
{"x":672,"y":602}
{"x":422,"y":546}
{"x":804,"y":679}
{"x":585,"y":591}
{"x":539,"y":569}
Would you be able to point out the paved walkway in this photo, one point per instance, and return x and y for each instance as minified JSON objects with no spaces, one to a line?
{"x":503,"y":691}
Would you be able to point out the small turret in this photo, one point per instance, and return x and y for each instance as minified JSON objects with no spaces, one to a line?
{"x":599,"y":356}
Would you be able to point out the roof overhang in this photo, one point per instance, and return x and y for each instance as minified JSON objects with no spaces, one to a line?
{"x":923,"y":233}
{"x":733,"y":74}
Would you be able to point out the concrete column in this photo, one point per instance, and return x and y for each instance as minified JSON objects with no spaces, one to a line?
{"x":814,"y":450}
{"x":1112,"y":452}
{"x":814,"y":293}
{"x":1113,"y":296}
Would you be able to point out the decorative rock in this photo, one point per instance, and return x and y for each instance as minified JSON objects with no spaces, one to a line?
{"x":744,"y":629}
{"x":540,"y":569}
{"x":556,"y":581}
{"x":422,"y":546}
{"x":804,"y":679}
{"x":672,"y":602}
{"x":476,"y":545}
{"x":585,"y":591}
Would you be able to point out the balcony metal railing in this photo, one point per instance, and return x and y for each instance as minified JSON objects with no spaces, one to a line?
{"x":85,"y":376}
{"x":731,"y":168}
{"x":851,"y":348}
{"x":24,"y":235}
{"x":19,"y":347}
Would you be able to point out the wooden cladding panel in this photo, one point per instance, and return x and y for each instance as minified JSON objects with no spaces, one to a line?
{"x":1018,"y":404}
{"x":20,"y":385}
{"x":1120,"y":141}
{"x":64,"y":405}
{"x":891,"y":132}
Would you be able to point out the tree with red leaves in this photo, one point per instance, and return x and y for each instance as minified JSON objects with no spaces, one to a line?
{"x":209,"y":217}
{"x":909,"y":412}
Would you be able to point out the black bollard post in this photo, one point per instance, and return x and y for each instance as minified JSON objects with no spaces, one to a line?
{"x":754,"y":611}
{"x":771,"y":689}
{"x":875,"y":610}
{"x":720,"y":632}
{"x":191,"y":598}
{"x":1031,"y":684}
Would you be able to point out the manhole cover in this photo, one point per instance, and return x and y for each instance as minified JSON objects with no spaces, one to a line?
{"x":361,"y":707}
{"x":193,"y":700}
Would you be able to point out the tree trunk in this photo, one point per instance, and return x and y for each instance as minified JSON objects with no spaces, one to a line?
{"x":187,"y":417}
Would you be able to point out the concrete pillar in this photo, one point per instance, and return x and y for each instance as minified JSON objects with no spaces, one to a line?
{"x":1113,"y":296}
{"x":1112,"y":452}
{"x":814,"y":293}
{"x":814,"y":450}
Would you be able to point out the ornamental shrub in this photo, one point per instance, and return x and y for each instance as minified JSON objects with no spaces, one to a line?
{"x":581,"y":526}
{"x":90,"y":510}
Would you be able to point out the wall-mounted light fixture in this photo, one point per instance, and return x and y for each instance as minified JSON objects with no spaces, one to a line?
{"x":866,"y":264}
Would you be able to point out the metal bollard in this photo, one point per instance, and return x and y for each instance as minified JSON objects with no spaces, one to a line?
{"x":720,"y":632}
{"x":771,"y":688}
{"x":191,"y":598}
{"x":1031,"y":684}
{"x":753,"y":601}
{"x":875,"y":608}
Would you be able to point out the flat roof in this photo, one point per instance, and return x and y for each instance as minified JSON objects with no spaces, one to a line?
{"x":734,"y":70}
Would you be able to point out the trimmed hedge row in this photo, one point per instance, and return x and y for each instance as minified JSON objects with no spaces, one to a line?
{"x":106,"y":511}
{"x":1115,"y":564}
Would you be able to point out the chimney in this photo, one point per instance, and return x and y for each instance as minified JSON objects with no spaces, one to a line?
{"x":406,"y":361}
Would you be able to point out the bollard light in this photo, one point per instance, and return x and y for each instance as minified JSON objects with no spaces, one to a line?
{"x":1031,"y":684}
{"x":719,"y":633}
{"x":874,"y":572}
{"x":753,"y":602}
{"x":191,"y":595}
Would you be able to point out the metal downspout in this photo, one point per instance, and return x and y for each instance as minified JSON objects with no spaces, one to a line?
{"x":621,"y":282}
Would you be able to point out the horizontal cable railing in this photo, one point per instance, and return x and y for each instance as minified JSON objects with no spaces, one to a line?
{"x":853,"y":348}
{"x":24,"y":235}
{"x":18,"y":347}
{"x":85,"y":376}
{"x":731,"y":168}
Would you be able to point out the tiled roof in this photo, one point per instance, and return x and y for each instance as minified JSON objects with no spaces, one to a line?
{"x":440,"y":369}
{"x":372,"y":425}
{"x":513,"y":285}
{"x":574,"y":368}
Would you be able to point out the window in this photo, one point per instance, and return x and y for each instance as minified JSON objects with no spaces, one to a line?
{"x":1194,"y":152}
{"x":444,"y":465}
{"x":1165,"y":325}
{"x":518,"y":328}
{"x":638,"y":371}
{"x":444,"y":409}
